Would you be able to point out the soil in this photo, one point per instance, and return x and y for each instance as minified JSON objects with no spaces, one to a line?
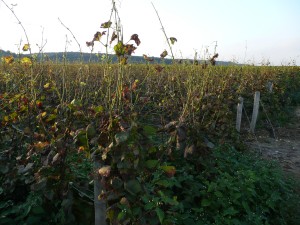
{"x":281,"y":144}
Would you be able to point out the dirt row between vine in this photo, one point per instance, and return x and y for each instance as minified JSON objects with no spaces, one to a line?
{"x":285,"y":147}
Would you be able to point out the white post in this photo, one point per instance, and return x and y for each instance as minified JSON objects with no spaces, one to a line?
{"x":239,"y":114}
{"x":255,"y":111}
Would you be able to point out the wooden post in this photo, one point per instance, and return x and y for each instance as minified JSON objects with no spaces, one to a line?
{"x":255,"y":111}
{"x":239,"y":114}
{"x":99,"y":205}
{"x":270,"y":86}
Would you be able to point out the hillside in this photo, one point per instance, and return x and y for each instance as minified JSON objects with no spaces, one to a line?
{"x":94,"y":57}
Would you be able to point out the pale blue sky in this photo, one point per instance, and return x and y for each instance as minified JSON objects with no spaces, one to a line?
{"x":252,"y":31}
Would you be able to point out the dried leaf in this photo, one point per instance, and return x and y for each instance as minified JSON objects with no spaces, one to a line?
{"x":164,"y":54}
{"x":147,"y":58}
{"x":129,"y":49}
{"x":113,"y":37}
{"x":105,"y":171}
{"x":135,"y":38}
{"x":98,"y":35}
{"x":159,"y":68}
{"x":89,"y":44}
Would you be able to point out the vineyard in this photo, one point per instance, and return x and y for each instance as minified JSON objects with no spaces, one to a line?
{"x":140,"y":145}
{"x":149,"y":143}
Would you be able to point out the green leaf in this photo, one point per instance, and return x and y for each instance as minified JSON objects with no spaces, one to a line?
{"x":149,"y":130}
{"x":76,"y":102}
{"x":230,"y":211}
{"x":51,"y":117}
{"x":116,"y":183}
{"x":160,"y":214}
{"x":164,"y":183}
{"x":133,"y":187}
{"x":106,"y":24}
{"x":246,"y":207}
{"x":91,"y":131}
{"x":121,"y":215}
{"x":121,"y":137}
{"x":149,"y":206}
{"x":119,"y":49}
{"x":205,"y":203}
{"x":151,"y":164}
{"x":99,"y":109}
{"x":173,"y":40}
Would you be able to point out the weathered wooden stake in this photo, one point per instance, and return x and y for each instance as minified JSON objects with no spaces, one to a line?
{"x":239,"y":114}
{"x":255,"y":111}
{"x":270,"y":86}
{"x":99,"y":205}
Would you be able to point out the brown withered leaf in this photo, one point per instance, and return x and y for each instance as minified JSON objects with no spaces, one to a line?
{"x":159,"y":68}
{"x":164,"y":54}
{"x":135,"y":38}
{"x":129,"y":49}
{"x":113,"y":37}
{"x":173,"y":40}
{"x":104,"y":171}
{"x":147,"y":58}
{"x":213,"y":59}
{"x":98,"y":35}
{"x":89,"y":43}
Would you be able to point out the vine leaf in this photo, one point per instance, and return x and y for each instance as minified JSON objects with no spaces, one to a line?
{"x":89,"y":43}
{"x":135,"y":38}
{"x":113,"y":37}
{"x":26,"y":47}
{"x":133,"y":187}
{"x":173,"y":40}
{"x":106,"y":24}
{"x":123,"y":61}
{"x":164,"y":54}
{"x":119,"y":49}
{"x":26,"y":61}
{"x":159,"y":68}
{"x":160,"y":214}
{"x":147,"y":58}
{"x":8,"y":59}
{"x":129,"y":49}
{"x":98,"y":35}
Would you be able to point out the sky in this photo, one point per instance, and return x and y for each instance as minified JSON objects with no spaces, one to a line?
{"x":243,"y":31}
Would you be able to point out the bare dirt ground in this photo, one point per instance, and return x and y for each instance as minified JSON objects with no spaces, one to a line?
{"x":285,"y":147}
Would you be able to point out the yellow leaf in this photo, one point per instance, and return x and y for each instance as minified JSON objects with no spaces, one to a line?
{"x":26,"y":61}
{"x":44,"y":114}
{"x":47,"y":85}
{"x":26,"y":47}
{"x":8,"y":59}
